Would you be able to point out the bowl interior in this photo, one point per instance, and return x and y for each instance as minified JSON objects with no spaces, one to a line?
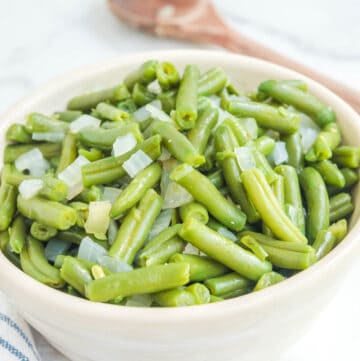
{"x":246,"y":73}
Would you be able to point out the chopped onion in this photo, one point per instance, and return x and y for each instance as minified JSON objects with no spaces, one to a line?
{"x":143,"y":114}
{"x":110,"y":194}
{"x":308,"y":137}
{"x":250,"y":125}
{"x":33,"y":161}
{"x":98,"y":218}
{"x":84,"y":121}
{"x":279,"y":154}
{"x":154,"y":87}
{"x":123,"y":144}
{"x":136,"y":163}
{"x":190,"y":249}
{"x":55,"y":137}
{"x":161,"y":223}
{"x":215,"y":100}
{"x":113,"y":264}
{"x":72,"y":176}
{"x":90,"y":250}
{"x":245,"y":158}
{"x":165,"y":155}
{"x":158,"y":114}
{"x":56,"y":247}
{"x":29,"y":188}
{"x":143,"y":300}
{"x":227,"y":233}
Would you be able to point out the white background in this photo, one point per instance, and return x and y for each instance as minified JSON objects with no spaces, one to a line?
{"x":41,"y":39}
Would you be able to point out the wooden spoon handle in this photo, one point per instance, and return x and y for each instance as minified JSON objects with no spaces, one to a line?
{"x":239,"y":43}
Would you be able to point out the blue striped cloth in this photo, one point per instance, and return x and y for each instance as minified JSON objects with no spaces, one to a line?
{"x":16,"y":341}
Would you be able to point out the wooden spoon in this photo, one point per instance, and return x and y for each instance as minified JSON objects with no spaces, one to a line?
{"x":198,"y":20}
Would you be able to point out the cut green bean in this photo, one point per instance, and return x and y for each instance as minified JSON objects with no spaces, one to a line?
{"x":324,"y":242}
{"x":110,"y":112}
{"x":17,"y":235}
{"x":168,"y":100}
{"x":350,"y":176}
{"x":347,"y":156}
{"x":194,"y":210}
{"x":230,"y":282}
{"x":268,"y":279}
{"x":339,"y":229}
{"x":42,"y":232}
{"x":212,"y":82}
{"x":8,"y":205}
{"x":340,"y":206}
{"x":167,"y":75}
{"x":216,"y":178}
{"x":139,"y":281}
{"x":145,"y":74}
{"x":68,"y":152}
{"x":330,"y":173}
{"x":295,"y":151}
{"x":48,"y":150}
{"x":39,"y":123}
{"x":17,"y":133}
{"x":265,"y":145}
{"x":68,"y":115}
{"x":142,"y":95}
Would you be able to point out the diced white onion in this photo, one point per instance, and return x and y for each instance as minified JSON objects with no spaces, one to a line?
{"x":158,"y":114}
{"x":279,"y":154}
{"x":90,"y":251}
{"x":136,"y":163}
{"x":123,"y":144}
{"x":143,"y":300}
{"x":55,"y":137}
{"x":98,"y":218}
{"x":154,"y":87}
{"x":190,"y":249}
{"x":308,"y":137}
{"x":33,"y":161}
{"x":161,"y":223}
{"x":29,"y":188}
{"x":143,"y":114}
{"x":215,"y":100}
{"x":110,"y":194}
{"x":113,"y":264}
{"x":84,"y":121}
{"x":227,"y":233}
{"x":250,"y":125}
{"x":245,"y":158}
{"x":165,"y":155}
{"x":55,"y":247}
{"x":72,"y":176}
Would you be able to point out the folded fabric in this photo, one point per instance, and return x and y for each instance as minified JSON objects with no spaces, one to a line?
{"x":16,"y":341}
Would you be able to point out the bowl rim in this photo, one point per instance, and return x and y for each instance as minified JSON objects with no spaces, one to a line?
{"x":64,"y":303}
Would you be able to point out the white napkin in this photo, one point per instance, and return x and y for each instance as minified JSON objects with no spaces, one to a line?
{"x":16,"y":341}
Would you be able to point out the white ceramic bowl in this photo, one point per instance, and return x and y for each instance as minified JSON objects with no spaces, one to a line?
{"x":252,"y":327}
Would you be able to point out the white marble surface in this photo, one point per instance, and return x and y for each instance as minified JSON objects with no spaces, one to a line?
{"x":41,"y":39}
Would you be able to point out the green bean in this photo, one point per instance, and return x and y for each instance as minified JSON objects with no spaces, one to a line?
{"x":82,"y":212}
{"x":216,"y":178}
{"x":206,"y":193}
{"x":92,"y":194}
{"x":223,"y":250}
{"x":330,"y":173}
{"x":127,"y":105}
{"x":168,"y":100}
{"x":141,"y":95}
{"x":306,"y":102}
{"x":268,"y":279}
{"x":75,"y":274}
{"x":299,"y":84}
{"x":105,"y":138}
{"x":136,"y":227}
{"x":161,"y":254}
{"x":4,"y":239}
{"x":194,"y":210}
{"x":209,"y":155}
{"x":137,"y":188}
{"x":266,"y":116}
{"x":17,"y":133}
{"x":220,"y":228}
{"x":253,"y":245}
{"x":350,"y":176}
{"x":263,"y":164}
{"x":110,"y":169}
{"x":230,"y":282}
{"x":347,"y":156}
{"x":68,"y":115}
{"x":239,"y":131}
{"x":144,"y":74}
{"x":196,"y":294}
{"x":167,"y":75}
{"x":212,"y":82}
{"x":89,"y":100}
{"x":68,"y":152}
{"x":265,"y":145}
{"x":177,"y":143}
{"x":225,"y":142}
{"x":201,"y":267}
{"x":48,"y":150}
{"x":49,"y":213}
{"x":92,"y":154}
{"x":324,"y":242}
{"x":8,"y":205}
{"x":42,"y":232}
{"x":7,"y":249}
{"x":292,"y":196}
{"x":327,"y":140}
{"x":339,"y":229}
{"x":186,"y":100}
{"x":35,"y":251}
{"x":17,"y":234}
{"x":39,"y":123}
{"x":110,"y":112}
{"x":269,"y":208}
{"x":200,"y":134}
{"x":142,"y":280}
{"x":295,"y":151}
{"x":340,"y":206}
{"x":317,"y":202}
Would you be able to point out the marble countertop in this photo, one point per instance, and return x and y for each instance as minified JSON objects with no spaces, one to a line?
{"x":41,"y":39}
